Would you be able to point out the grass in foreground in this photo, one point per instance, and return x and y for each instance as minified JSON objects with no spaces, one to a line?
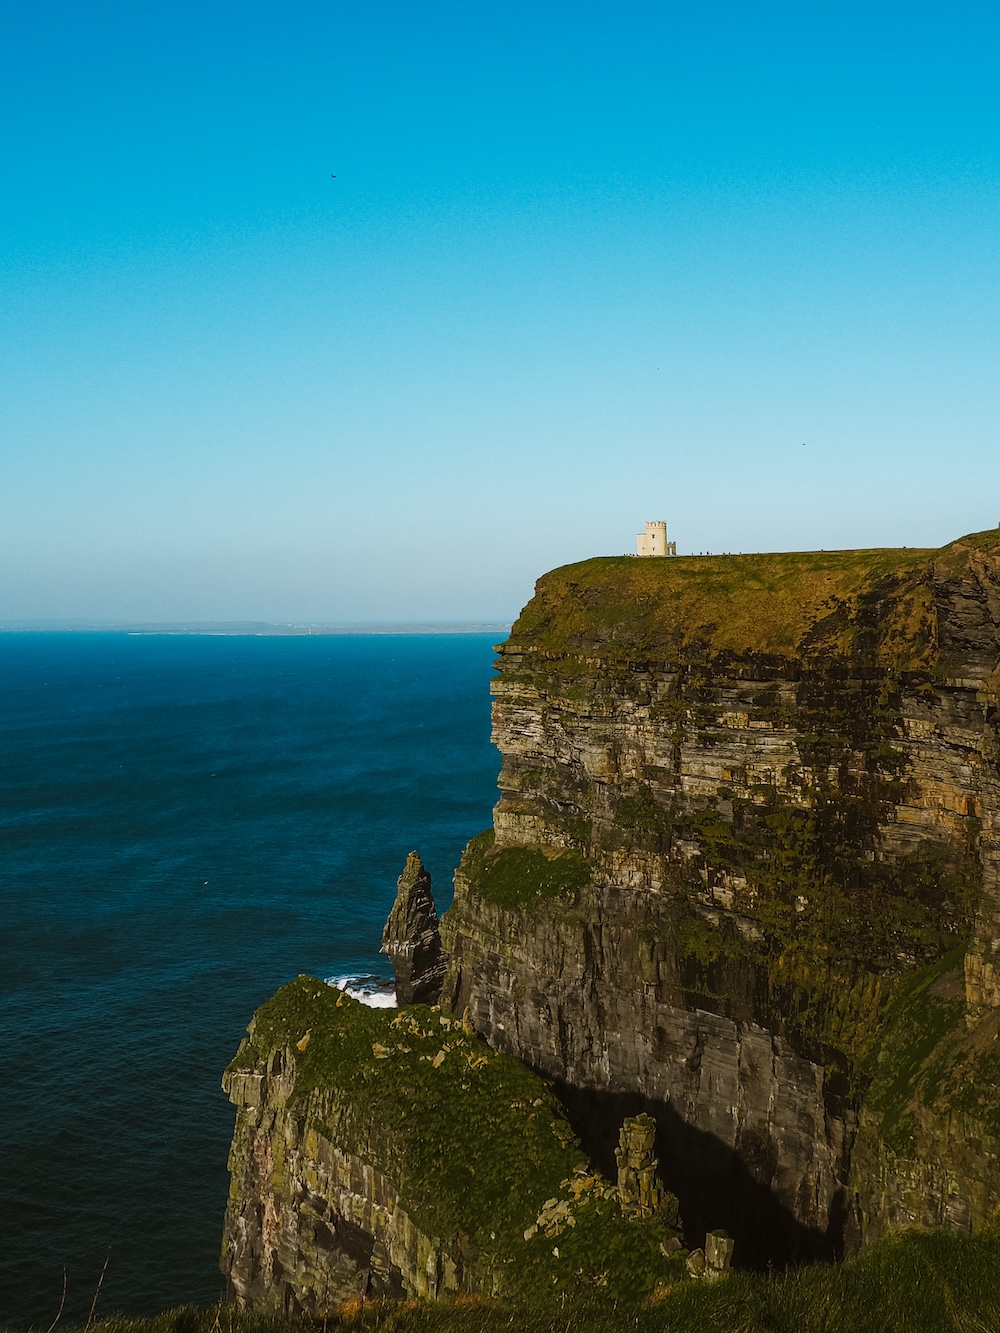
{"x":920,"y":1282}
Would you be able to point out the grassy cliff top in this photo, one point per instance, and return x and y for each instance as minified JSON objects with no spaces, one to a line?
{"x":880,"y":604}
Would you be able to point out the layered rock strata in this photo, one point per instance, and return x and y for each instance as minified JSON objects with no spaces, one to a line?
{"x":743,"y":801}
{"x":411,"y":937}
{"x":639,"y":1187}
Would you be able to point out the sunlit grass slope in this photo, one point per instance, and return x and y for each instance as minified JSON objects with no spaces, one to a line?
{"x":790,"y":604}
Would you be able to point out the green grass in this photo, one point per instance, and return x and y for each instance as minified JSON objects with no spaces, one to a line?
{"x":518,"y":877}
{"x":473,"y":1140}
{"x":918,"y":1023}
{"x":931,"y":1282}
{"x":876,"y":604}
{"x":929,"y":1066}
{"x":711,"y":604}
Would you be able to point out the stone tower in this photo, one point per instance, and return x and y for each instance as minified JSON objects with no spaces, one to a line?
{"x":654,"y":541}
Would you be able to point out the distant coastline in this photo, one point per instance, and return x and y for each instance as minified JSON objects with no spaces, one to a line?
{"x":251,"y":627}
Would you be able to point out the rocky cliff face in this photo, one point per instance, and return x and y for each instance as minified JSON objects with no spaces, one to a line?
{"x":393,"y":1153}
{"x":745,"y":803}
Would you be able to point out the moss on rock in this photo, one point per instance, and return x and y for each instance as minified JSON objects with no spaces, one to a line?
{"x":520,"y":877}
{"x":474,"y":1143}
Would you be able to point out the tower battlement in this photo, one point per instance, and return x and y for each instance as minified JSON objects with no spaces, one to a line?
{"x":654,"y":540}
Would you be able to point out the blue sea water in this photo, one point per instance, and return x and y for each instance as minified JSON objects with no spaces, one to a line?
{"x":186,"y":822}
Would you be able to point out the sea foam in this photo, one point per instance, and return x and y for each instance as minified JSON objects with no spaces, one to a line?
{"x":376,"y":992}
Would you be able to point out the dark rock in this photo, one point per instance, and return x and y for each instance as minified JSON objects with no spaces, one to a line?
{"x":695,"y":1263}
{"x":718,"y":1255}
{"x":411,"y":938}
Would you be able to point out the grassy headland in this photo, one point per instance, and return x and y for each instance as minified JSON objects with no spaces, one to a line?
{"x":789,"y":604}
{"x":475,"y":1142}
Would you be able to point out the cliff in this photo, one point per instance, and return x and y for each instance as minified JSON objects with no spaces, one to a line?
{"x":748,"y":804}
{"x":392,"y":1153}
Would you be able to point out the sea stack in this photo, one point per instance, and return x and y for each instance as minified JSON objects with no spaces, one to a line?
{"x":411,"y":937}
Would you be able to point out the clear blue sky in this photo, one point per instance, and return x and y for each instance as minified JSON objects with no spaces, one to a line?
{"x":731,"y":264}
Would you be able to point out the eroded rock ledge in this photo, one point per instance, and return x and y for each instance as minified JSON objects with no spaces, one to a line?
{"x":394,"y":1153}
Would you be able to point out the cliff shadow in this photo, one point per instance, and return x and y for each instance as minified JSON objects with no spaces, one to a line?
{"x":714,"y":1185}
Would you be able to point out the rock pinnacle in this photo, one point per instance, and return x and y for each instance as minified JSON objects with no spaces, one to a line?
{"x":411,"y":937}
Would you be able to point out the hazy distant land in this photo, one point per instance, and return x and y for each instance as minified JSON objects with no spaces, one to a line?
{"x":250,"y":627}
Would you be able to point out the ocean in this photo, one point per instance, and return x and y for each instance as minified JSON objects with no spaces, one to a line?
{"x":187,"y":822}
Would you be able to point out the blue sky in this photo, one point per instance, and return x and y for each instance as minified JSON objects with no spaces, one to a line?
{"x":734,"y":265}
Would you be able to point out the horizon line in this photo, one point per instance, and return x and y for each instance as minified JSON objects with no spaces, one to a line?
{"x":251,"y":628}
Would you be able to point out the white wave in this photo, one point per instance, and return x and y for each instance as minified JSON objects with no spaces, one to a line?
{"x":375,"y":992}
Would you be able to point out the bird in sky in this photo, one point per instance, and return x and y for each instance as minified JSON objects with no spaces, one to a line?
{"x":332,"y":176}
